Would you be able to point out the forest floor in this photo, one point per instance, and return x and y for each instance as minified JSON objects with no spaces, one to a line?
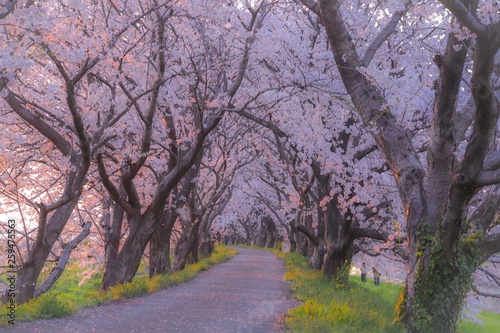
{"x":244,"y":294}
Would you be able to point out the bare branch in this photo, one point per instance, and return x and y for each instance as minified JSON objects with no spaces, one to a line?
{"x":486,"y":178}
{"x":312,"y":5}
{"x":112,"y":190}
{"x":264,"y":123}
{"x":483,"y":293}
{"x":303,"y":229}
{"x":384,"y":34}
{"x":492,"y":161}
{"x":466,"y":17}
{"x":490,"y":246}
{"x":63,"y":260}
{"x":46,"y":130}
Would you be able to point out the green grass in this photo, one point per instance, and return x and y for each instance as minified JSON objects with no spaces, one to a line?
{"x":331,"y":308}
{"x":362,"y":307}
{"x":490,"y":320}
{"x":67,"y":296}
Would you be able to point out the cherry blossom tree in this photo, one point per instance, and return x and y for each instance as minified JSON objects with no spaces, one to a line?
{"x":43,"y":83}
{"x":210,"y":73}
{"x":445,"y":245}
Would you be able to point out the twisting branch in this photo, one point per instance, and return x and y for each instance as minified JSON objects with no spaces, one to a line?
{"x":491,"y":276}
{"x":112,"y":190}
{"x":63,"y":260}
{"x":46,"y":130}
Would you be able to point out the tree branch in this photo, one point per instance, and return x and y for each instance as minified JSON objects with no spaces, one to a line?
{"x":112,"y":190}
{"x":8,"y":8}
{"x":490,"y":246}
{"x":492,"y":161}
{"x":384,"y":34}
{"x":483,"y":293}
{"x":46,"y":130}
{"x":466,"y":17}
{"x":484,"y":216}
{"x":303,"y":229}
{"x":275,"y":129}
{"x":312,"y":5}
{"x":63,"y":260}
{"x":488,"y":178}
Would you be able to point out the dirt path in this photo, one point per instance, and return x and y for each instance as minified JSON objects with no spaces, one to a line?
{"x":244,"y":295}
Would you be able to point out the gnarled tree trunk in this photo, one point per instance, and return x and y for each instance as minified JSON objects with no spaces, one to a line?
{"x":185,"y":245}
{"x":443,"y":248}
{"x":159,"y":246}
{"x":28,"y":273}
{"x":123,"y":267}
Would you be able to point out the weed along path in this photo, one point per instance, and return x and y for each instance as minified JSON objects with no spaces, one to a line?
{"x":246,"y":294}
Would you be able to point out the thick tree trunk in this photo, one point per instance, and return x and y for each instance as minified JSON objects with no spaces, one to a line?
{"x":268,"y":233}
{"x":334,"y":240}
{"x":159,"y":246}
{"x":206,"y":248}
{"x":339,"y":244}
{"x":301,"y":241}
{"x":338,"y":261}
{"x":195,"y":246}
{"x":206,"y":242}
{"x":261,"y":242}
{"x":293,"y":242}
{"x":441,"y":285}
{"x":318,"y":256}
{"x":28,"y":274}
{"x":185,"y":246}
{"x":113,"y":235}
{"x":122,"y":269}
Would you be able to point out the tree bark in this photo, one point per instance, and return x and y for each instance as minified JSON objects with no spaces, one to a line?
{"x":339,"y":243}
{"x":318,"y":257}
{"x":113,"y":235}
{"x":123,"y":268}
{"x":185,"y":245}
{"x":63,"y":260}
{"x":28,"y":274}
{"x":442,"y":252}
{"x":159,"y":246}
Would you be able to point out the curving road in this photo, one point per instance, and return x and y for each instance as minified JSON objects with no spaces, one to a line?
{"x":246,"y":294}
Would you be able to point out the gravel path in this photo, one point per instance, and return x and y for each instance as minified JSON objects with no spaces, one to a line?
{"x":247,"y":294}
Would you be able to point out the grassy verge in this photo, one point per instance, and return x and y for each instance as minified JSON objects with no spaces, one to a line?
{"x":67,"y":296}
{"x":490,"y":320}
{"x":330,"y":308}
{"x":361,"y":308}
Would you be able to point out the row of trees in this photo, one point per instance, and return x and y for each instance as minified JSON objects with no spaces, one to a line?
{"x":367,"y":126}
{"x":114,"y":128}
